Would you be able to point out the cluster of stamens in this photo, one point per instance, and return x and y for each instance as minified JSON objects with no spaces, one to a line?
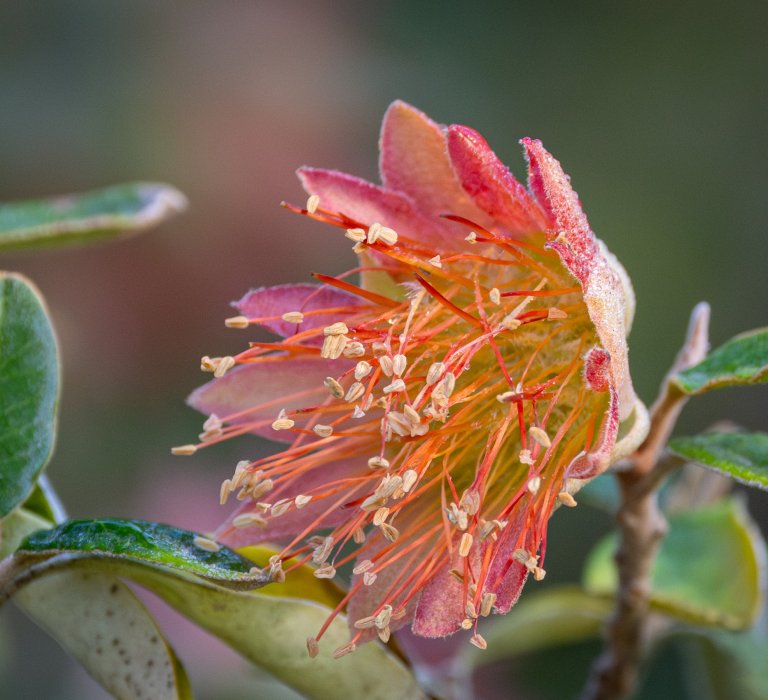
{"x":463,"y":403}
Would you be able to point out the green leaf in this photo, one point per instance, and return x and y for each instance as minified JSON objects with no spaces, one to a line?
{"x":742,"y":456}
{"x":545,"y":619}
{"x":100,"y":622}
{"x":29,"y":389}
{"x":724,"y":665}
{"x":742,"y":360}
{"x":146,"y":543}
{"x":112,"y":211}
{"x":710,"y":569}
{"x":270,"y":631}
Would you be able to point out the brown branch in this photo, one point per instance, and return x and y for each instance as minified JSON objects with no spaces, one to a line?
{"x":641,"y":529}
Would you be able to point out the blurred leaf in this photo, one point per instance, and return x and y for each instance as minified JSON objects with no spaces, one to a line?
{"x":710,"y":569}
{"x":743,"y":456}
{"x":302,"y":583}
{"x":112,"y":211}
{"x":29,"y":389}
{"x":270,"y":631}
{"x":100,"y":622}
{"x":725,"y":665}
{"x":742,"y":360}
{"x":145,"y":543}
{"x":546,"y":619}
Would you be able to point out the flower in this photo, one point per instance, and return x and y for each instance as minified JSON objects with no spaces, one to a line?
{"x":435,"y":413}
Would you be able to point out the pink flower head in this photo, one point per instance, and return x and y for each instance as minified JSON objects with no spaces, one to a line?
{"x":435,"y":411}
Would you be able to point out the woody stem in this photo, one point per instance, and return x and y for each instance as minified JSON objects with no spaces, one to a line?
{"x":642,"y":527}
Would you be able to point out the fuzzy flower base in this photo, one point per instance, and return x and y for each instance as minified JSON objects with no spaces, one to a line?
{"x":435,"y":411}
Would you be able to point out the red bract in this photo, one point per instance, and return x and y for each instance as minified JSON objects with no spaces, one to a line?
{"x":436,"y":411}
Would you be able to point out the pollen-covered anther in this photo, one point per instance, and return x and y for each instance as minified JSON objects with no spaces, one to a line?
{"x":495,"y":296}
{"x":378,"y":463}
{"x":538,"y":573}
{"x":249,"y":520}
{"x":467,"y":623}
{"x":313,"y":648}
{"x":301,"y":500}
{"x":479,"y":641}
{"x":362,"y":567}
{"x":411,"y":415}
{"x":446,"y":385}
{"x":410,"y":477}
{"x":343,"y":651}
{"x":325,"y":571}
{"x":355,"y":391}
{"x":323,"y":431}
{"x":374,"y":231}
{"x":362,"y":370}
{"x":486,"y":603}
{"x":397,"y":423}
{"x":436,"y":262}
{"x":399,"y":363}
{"x":471,"y":237}
{"x":540,"y":436}
{"x":313,"y":202}
{"x":323,"y":550}
{"x":511,"y":323}
{"x":354,"y":349}
{"x":293,"y":317}
{"x":237,"y":322}
{"x":534,"y":484}
{"x":279,"y":507}
{"x":384,"y":617}
{"x":358,"y":412}
{"x":434,"y":373}
{"x":207,"y":364}
{"x":555,"y":314}
{"x":465,"y":544}
{"x":276,"y":573}
{"x":380,"y":516}
{"x":223,"y":366}
{"x":338,"y":328}
{"x":184,"y":450}
{"x":470,"y":610}
{"x":395,"y":387}
{"x":470,"y":501}
{"x":457,"y":516}
{"x":333,"y":386}
{"x":333,"y":346}
{"x":525,"y":457}
{"x":365,"y":623}
{"x":358,"y":535}
{"x":225,"y":490}
{"x":383,"y":634}
{"x":566,"y":499}
{"x":528,"y":560}
{"x":355,"y":234}
{"x":282,"y":422}
{"x":387,"y":365}
{"x":387,"y":236}
{"x":390,"y":532}
{"x":206,"y":544}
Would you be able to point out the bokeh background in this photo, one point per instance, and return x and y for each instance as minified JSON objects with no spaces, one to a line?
{"x":658,"y":110}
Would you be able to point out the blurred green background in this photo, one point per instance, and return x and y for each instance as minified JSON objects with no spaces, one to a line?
{"x":657,"y":110}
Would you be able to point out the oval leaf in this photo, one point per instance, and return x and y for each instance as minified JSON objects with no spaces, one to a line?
{"x":742,"y":360}
{"x":29,"y":389}
{"x":270,"y":631}
{"x":742,"y":456}
{"x":146,"y":543}
{"x":112,"y":211}
{"x":100,"y":622}
{"x":710,"y":568}
{"x":546,"y":619}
